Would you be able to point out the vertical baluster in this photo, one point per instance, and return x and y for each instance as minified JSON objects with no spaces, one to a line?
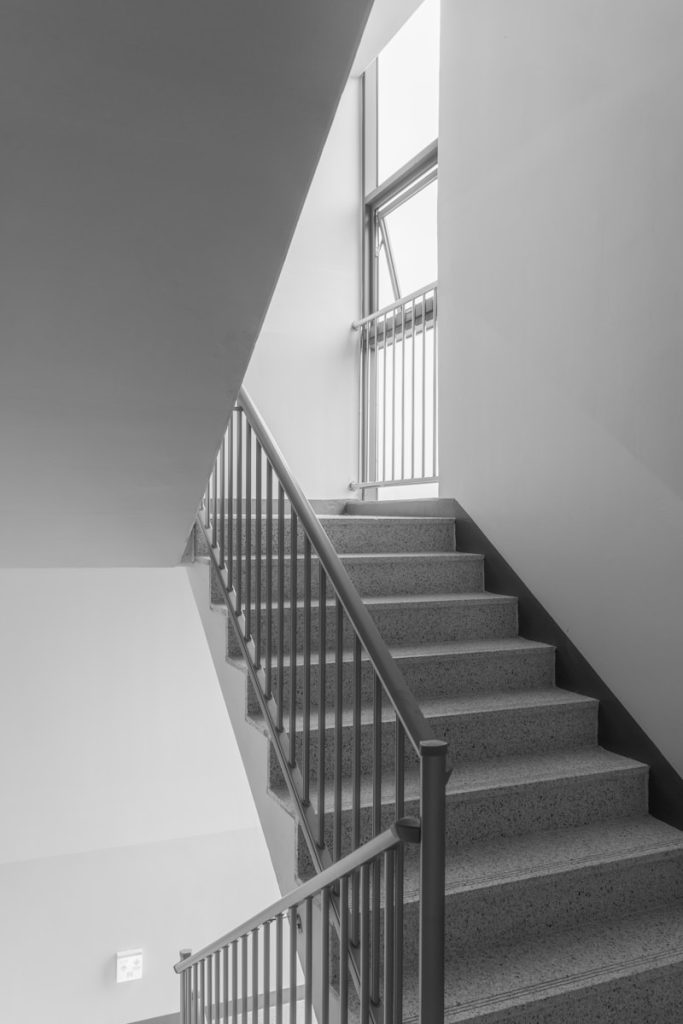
{"x":364,"y":944}
{"x":308,"y":961}
{"x":424,"y":384}
{"x":234,"y":979}
{"x":399,"y":873}
{"x":355,"y":802}
{"x":259,"y":527}
{"x":413,"y":400}
{"x":383,"y":474}
{"x":292,"y":965}
{"x":394,"y":446}
{"x":202,"y":991}
{"x":238,"y":516}
{"x":293,"y":602}
{"x":361,"y":403}
{"x":208,"y":1013}
{"x":266,"y":972}
{"x":278,"y":969}
{"x":245,"y":978}
{"x":214,"y":503}
{"x":306,"y":735}
{"x":435,"y":364}
{"x":322,"y":648}
{"x":247,"y":534}
{"x":254,"y":977}
{"x":338,"y":711}
{"x":269,"y":580}
{"x":221,"y":517}
{"x":376,"y":827}
{"x":194,"y":1015}
{"x":389,"y":937}
{"x":226,"y":983}
{"x":344,"y":952}
{"x":281,"y":604}
{"x":403,"y":392}
{"x":325,"y":953}
{"x":207,"y":504}
{"x":373,"y":435}
{"x":432,"y":878}
{"x":230,"y":501}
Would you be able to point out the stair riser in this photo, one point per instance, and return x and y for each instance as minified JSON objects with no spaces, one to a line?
{"x":380,"y":578}
{"x":354,"y":535}
{"x":648,"y":996}
{"x":513,"y":810}
{"x":470,"y":737}
{"x":438,"y":676}
{"x":405,"y":624}
{"x":544,"y":904}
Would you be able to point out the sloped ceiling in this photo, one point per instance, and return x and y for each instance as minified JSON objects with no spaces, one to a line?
{"x":155,"y":156}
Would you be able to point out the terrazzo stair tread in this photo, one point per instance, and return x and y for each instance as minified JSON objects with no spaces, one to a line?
{"x":389,"y":533}
{"x":365,"y":534}
{"x":542,"y":884}
{"x":410,"y":619}
{"x":559,"y":850}
{"x":377,"y":574}
{"x":503,"y":798}
{"x":501,"y":774}
{"x":627,"y":970}
{"x":492,"y":726}
{"x":445,"y":670}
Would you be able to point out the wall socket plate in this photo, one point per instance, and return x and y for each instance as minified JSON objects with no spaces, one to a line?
{"x":129,"y":965}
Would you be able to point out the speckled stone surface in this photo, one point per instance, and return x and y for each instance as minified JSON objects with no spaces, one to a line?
{"x":564,"y":898}
{"x":476,"y":729}
{"x":408,"y":620}
{"x":382,"y":575}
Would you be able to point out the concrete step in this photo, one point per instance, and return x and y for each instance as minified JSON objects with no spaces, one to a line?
{"x":476,"y":728}
{"x":433,"y":618}
{"x":379,"y":575}
{"x":626,"y":970}
{"x":360,"y":534}
{"x":549,"y":881}
{"x":452,"y":669}
{"x":503,"y":797}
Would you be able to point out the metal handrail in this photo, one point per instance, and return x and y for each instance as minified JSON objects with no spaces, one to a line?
{"x":414,"y":722}
{"x":235,"y":514}
{"x":407,"y":830}
{"x":385,"y":310}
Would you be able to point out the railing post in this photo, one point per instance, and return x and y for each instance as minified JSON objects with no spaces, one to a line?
{"x":432,"y":879}
{"x":185,"y":989}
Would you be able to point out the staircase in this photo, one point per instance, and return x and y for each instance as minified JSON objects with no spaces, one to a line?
{"x":563,"y":897}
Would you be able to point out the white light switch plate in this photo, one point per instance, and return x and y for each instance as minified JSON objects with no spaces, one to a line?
{"x":129,"y":965}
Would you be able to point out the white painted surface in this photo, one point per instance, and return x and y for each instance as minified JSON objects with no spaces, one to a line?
{"x":303,"y":372}
{"x":386,"y":18}
{"x":561,"y":256}
{"x":64,"y":918}
{"x":155,"y":160}
{"x":127,"y":819}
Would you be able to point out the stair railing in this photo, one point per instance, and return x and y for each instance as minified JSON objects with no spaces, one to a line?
{"x":253,"y":969}
{"x":398,"y":432}
{"x":286,"y":590}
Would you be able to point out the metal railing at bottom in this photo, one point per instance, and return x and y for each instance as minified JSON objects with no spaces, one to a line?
{"x":314,"y":945}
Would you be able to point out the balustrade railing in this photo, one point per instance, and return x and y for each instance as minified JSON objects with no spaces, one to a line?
{"x":353,"y":746}
{"x":288,"y":962}
{"x":398,"y":429}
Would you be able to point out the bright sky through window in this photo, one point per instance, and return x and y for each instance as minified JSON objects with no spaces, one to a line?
{"x":408,"y":92}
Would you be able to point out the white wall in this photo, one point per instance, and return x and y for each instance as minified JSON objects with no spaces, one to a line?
{"x":127,"y":817}
{"x":155,"y":160}
{"x":303,"y":371}
{"x":561,"y":260}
